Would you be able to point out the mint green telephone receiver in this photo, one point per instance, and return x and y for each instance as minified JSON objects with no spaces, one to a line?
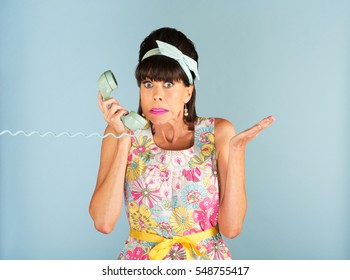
{"x":107,"y":83}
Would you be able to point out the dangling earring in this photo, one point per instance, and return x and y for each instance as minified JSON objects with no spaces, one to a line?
{"x":185,"y":111}
{"x":143,"y":114}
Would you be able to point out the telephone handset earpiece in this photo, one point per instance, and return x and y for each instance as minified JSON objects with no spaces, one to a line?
{"x":107,"y":83}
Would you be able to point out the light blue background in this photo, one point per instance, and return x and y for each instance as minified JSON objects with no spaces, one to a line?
{"x":286,"y":58}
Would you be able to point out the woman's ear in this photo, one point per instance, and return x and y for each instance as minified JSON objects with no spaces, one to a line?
{"x":189,"y":93}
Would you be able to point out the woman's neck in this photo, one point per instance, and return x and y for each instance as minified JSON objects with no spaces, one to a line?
{"x":173,"y":136}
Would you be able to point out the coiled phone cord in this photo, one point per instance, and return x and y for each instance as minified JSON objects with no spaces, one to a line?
{"x":56,"y":135}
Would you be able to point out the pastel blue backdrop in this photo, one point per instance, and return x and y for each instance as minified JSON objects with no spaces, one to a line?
{"x":285,"y":58}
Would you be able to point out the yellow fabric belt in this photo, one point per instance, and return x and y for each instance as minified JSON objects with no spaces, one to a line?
{"x":189,"y":242}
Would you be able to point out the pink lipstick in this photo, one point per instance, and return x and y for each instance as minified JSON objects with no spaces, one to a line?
{"x":158,"y":111}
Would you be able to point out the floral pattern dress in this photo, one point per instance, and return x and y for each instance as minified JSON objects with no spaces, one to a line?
{"x":173,"y":193}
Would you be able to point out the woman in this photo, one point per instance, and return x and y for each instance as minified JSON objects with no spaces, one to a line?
{"x":182,"y":175}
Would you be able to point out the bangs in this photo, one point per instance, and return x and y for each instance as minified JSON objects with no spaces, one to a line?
{"x":160,"y":68}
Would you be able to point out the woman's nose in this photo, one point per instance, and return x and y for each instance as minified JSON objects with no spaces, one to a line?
{"x":157,"y":94}
{"x":157,"y":97}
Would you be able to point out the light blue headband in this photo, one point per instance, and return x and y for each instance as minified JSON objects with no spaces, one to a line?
{"x":187,"y":63}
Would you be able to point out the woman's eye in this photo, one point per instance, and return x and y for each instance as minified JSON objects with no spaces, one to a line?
{"x":168,"y":84}
{"x":147,"y":84}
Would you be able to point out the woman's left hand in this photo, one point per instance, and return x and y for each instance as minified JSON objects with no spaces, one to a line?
{"x":240,"y":140}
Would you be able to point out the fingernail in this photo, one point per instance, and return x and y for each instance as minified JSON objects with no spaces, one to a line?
{"x":272,"y":118}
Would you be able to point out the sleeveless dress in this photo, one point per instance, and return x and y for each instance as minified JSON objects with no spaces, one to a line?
{"x":173,"y":193}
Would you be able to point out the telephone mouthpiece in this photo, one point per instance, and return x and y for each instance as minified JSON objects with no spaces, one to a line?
{"x":107,"y":83}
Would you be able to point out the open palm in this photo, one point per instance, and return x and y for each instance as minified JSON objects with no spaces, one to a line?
{"x":240,"y":140}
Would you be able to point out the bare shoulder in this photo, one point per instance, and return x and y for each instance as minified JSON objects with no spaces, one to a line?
{"x":223,"y":129}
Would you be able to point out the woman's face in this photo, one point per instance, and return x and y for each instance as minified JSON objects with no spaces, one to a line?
{"x":163,"y":102}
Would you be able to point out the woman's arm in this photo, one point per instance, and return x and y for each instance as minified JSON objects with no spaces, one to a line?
{"x":230,"y":156}
{"x":106,"y":202}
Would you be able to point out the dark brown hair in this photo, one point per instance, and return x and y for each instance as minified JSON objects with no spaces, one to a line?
{"x":162,"y":68}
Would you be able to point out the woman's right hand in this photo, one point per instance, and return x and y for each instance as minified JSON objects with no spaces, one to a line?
{"x":112,"y":112}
